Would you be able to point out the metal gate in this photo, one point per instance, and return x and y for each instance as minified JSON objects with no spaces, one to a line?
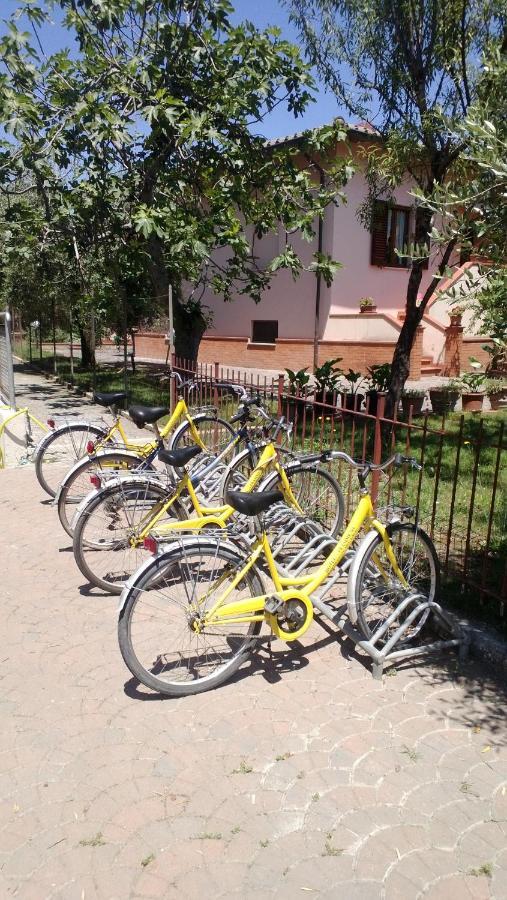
{"x":7,"y":392}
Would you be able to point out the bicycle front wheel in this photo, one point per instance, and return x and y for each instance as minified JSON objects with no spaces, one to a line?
{"x":76,"y":484}
{"x":105,"y":531}
{"x":215,"y":434}
{"x":317,"y":492}
{"x":160,"y":640}
{"x":60,"y":450}
{"x":378,"y":590}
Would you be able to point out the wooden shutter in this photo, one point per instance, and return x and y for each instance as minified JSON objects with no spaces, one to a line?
{"x":379,"y":234}
{"x":418,"y":214}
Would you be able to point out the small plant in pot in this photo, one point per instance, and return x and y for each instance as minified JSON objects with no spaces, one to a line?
{"x":351,"y":398}
{"x":444,"y":397}
{"x":412,"y":399}
{"x":473,"y":383}
{"x":366,"y":305}
{"x":296,"y":398}
{"x":327,"y":377}
{"x":496,"y":389}
{"x":379,"y":378}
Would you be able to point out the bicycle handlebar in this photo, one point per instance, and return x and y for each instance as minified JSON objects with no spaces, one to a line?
{"x":397,"y":459}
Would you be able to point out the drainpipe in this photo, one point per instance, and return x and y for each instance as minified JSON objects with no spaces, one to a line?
{"x":320,"y":238}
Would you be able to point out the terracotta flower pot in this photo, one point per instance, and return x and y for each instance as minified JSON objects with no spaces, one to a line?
{"x":498,"y":400}
{"x":443,"y":402}
{"x":352,"y":401}
{"x":472,"y":401}
{"x":415,"y":402}
{"x":367,"y":309}
{"x":372,"y":398}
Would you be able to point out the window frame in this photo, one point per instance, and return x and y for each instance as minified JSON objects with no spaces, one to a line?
{"x":264,"y":322}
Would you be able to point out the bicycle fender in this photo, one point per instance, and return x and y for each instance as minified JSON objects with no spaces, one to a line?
{"x":169,"y":547}
{"x":353,"y":571}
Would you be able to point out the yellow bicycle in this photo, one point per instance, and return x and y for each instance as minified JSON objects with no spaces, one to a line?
{"x":74,"y":439}
{"x":192,"y":614}
{"x":112,"y":527}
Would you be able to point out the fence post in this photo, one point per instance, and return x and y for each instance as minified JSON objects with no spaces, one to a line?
{"x":279,"y":394}
{"x":172,"y":385}
{"x":377,"y":445}
{"x":215,"y":389}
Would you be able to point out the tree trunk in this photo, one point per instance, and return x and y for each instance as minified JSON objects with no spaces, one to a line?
{"x":189,"y":327}
{"x":189,"y":320}
{"x":87,"y":347}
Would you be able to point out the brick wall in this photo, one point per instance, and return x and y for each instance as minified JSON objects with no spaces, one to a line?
{"x":285,"y":353}
{"x":296,"y":354}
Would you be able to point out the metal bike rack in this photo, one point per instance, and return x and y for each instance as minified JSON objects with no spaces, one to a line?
{"x":456,"y":635}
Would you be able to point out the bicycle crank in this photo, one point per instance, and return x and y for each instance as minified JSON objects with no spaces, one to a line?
{"x":293,"y":615}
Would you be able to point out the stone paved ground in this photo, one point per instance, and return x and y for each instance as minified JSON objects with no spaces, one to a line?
{"x":302,"y":777}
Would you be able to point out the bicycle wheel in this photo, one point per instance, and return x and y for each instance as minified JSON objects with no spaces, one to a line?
{"x":215,"y":433}
{"x":376,"y":589}
{"x":156,"y":627}
{"x":76,"y":484}
{"x":105,"y":527}
{"x":318,"y":494}
{"x":241,"y":467}
{"x":60,"y":450}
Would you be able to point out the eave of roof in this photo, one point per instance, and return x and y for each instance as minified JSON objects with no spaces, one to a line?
{"x":354,"y":132}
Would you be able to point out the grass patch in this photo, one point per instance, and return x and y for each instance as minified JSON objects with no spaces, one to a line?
{"x":486,"y":869}
{"x":244,"y":769}
{"x":95,"y":841}
{"x":147,"y":860}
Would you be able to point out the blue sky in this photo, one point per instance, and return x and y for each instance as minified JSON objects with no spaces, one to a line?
{"x":262,"y":13}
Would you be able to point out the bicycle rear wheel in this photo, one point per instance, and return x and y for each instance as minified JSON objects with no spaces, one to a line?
{"x":76,"y":484}
{"x":378,"y":591}
{"x":106,"y":526}
{"x":157,"y":631}
{"x":60,"y":450}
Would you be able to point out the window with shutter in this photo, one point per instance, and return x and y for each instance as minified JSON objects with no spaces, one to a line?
{"x":379,"y":234}
{"x":264,"y":331}
{"x":389,"y":233}
{"x":426,"y":241}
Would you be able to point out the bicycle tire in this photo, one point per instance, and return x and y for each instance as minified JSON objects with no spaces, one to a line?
{"x":76,"y":484}
{"x":241,"y":467}
{"x":172,"y":568}
{"x":67,"y":455}
{"x":108,"y":562}
{"x":318,"y":494}
{"x":375,"y":598}
{"x":214,"y":432}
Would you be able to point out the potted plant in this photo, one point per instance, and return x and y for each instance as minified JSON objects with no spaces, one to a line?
{"x":444,"y":397}
{"x":379,"y":378}
{"x":456,"y":314}
{"x":352,"y":399}
{"x":412,"y":398}
{"x":496,"y":389}
{"x":472,"y":397}
{"x":366,"y":305}
{"x":327,"y":377}
{"x":295,"y":398}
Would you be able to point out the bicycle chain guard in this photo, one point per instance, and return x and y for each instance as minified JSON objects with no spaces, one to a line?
{"x":293,"y":616}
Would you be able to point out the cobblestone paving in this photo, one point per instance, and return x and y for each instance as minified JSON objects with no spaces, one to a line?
{"x":302,"y":777}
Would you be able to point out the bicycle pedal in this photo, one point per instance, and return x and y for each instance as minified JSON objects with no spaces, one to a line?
{"x":272,"y":605}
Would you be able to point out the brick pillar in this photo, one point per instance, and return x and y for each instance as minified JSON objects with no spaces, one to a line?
{"x":416,"y":355}
{"x":453,"y":350}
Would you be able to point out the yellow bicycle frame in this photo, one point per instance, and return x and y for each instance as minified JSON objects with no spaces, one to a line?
{"x":214,"y":515}
{"x":181,"y":411}
{"x":293,"y":588}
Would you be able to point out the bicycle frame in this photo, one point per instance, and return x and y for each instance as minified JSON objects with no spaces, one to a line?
{"x":181,"y":411}
{"x":218,"y":515}
{"x":292,"y":588}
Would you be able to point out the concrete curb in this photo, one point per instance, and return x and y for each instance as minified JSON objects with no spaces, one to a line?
{"x":487,"y":645}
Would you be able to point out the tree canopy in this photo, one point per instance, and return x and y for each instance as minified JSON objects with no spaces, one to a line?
{"x":413,"y":68}
{"x":138,"y":138}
